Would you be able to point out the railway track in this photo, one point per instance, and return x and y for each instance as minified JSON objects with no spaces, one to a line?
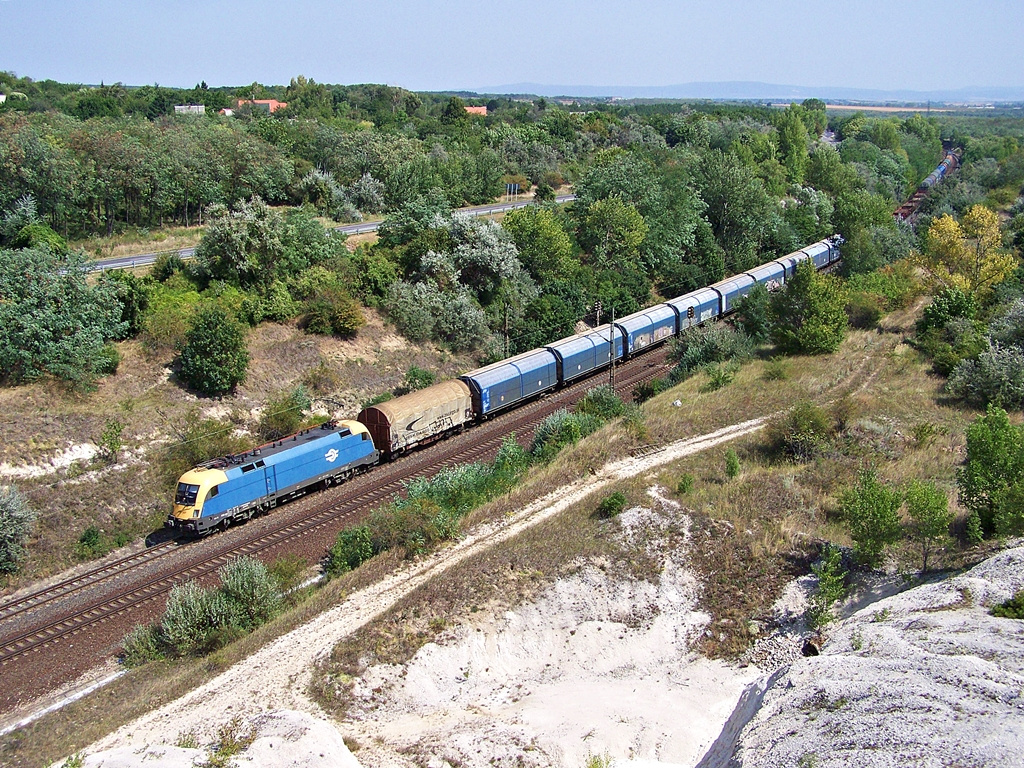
{"x":125,"y":584}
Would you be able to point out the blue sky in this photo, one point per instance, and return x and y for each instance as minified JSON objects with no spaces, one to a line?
{"x":887,"y":44}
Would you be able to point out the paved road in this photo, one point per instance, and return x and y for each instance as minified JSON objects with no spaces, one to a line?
{"x":144,"y":259}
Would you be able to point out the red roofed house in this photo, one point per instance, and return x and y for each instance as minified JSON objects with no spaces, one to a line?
{"x":477,"y":111}
{"x":267,"y":105}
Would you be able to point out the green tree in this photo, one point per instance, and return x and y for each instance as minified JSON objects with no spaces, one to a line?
{"x":754,"y":314}
{"x":871,"y":509}
{"x":930,"y":517}
{"x":544,"y":246}
{"x":994,"y":465}
{"x":16,"y":521}
{"x":214,"y":359}
{"x":792,"y":144}
{"x":51,"y":320}
{"x":244,"y":246}
{"x":612,"y":232}
{"x":809,"y":313}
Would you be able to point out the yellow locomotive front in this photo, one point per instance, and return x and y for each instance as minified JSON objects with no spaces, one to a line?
{"x":193,"y":487}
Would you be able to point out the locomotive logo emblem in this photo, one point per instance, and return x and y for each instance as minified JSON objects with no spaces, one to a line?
{"x":331,"y":455}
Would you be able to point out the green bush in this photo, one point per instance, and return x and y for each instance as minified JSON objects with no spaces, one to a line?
{"x":142,"y":644}
{"x":699,"y":346}
{"x":214,"y":360}
{"x":16,"y":521}
{"x":809,"y":313}
{"x":719,"y":376}
{"x":353,"y":547}
{"x":185,"y":626}
{"x":831,"y":587}
{"x":732,"y":464}
{"x":601,"y":402}
{"x":864,"y":309}
{"x":283,"y":414}
{"x":803,"y":433}
{"x":252,"y":590}
{"x":612,"y":506}
{"x":332,"y":311}
{"x":1012,"y":608}
{"x":559,"y":430}
{"x":685,"y":484}
{"x":950,"y":304}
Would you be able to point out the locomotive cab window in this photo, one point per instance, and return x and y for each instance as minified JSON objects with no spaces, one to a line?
{"x":186,"y":494}
{"x":213,"y":492}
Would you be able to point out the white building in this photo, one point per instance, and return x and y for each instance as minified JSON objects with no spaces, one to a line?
{"x":190,"y":109}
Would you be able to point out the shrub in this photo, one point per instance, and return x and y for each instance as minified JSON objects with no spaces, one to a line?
{"x":252,"y":590}
{"x":754,"y":315}
{"x":864,"y":309}
{"x":996,"y":376}
{"x":90,"y":543}
{"x":322,"y":379}
{"x":185,"y":625}
{"x":831,"y":587}
{"x":602,"y":402}
{"x":353,"y":547}
{"x":612,"y":505}
{"x":214,"y":360}
{"x":110,"y":442}
{"x":647,"y":389}
{"x":719,"y":376}
{"x":950,"y":304}
{"x":1012,"y":608}
{"x":16,"y":521}
{"x":994,"y":465}
{"x":559,"y":430}
{"x":776,"y":369}
{"x":732,"y":464}
{"x":141,"y":645}
{"x":702,"y":345}
{"x":378,"y":399}
{"x":685,"y":484}
{"x":801,"y":434}
{"x":333,"y":312}
{"x":283,"y":414}
{"x":872,"y":511}
{"x":416,"y":378}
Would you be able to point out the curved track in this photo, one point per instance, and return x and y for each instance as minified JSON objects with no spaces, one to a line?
{"x":38,"y":630}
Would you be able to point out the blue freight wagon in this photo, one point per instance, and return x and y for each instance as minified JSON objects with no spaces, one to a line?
{"x":695,"y":308}
{"x":771,"y":275}
{"x":648,"y":326}
{"x":820,"y":253}
{"x":502,"y":385}
{"x":586,"y":352}
{"x":234,"y":488}
{"x":732,"y":289}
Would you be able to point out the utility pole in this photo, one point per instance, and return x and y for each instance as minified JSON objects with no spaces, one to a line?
{"x":611,"y":350}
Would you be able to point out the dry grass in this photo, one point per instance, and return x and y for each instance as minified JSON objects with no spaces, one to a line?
{"x":134,"y":242}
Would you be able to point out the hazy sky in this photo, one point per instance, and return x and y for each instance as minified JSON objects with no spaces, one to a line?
{"x":888,"y":44}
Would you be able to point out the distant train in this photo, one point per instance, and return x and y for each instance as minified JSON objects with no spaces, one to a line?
{"x":234,"y":488}
{"x":949,"y":164}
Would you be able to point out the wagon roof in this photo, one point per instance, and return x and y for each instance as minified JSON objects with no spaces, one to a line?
{"x":422,"y":399}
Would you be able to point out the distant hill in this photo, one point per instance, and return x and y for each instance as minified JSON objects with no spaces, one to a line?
{"x":761,"y":91}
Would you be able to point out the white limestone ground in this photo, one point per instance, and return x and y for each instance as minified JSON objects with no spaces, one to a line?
{"x":599,"y":665}
{"x":83,"y":452}
{"x":923,"y":678}
{"x":636,"y":715}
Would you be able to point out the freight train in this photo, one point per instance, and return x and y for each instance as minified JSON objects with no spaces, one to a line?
{"x":948,"y":165}
{"x":234,"y":488}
